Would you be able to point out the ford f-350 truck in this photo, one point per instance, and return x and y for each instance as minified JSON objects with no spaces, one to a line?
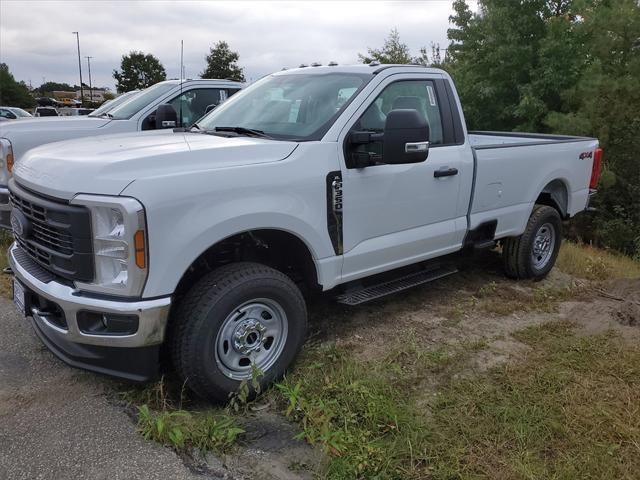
{"x":130,"y":112}
{"x":359,"y":180}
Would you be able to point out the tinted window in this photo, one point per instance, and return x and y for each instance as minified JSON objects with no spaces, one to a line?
{"x":195,"y":102}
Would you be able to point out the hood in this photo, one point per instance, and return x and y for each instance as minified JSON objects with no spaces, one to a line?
{"x":107,"y":164}
{"x":51,"y":123}
{"x":31,"y":132}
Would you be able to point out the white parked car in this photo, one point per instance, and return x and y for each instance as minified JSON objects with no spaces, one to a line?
{"x":127,"y":113}
{"x":13,"y":113}
{"x":359,"y":181}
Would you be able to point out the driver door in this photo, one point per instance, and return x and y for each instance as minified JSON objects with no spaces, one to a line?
{"x":398,"y":214}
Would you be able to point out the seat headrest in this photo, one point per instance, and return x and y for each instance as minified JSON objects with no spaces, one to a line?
{"x":412,"y":103}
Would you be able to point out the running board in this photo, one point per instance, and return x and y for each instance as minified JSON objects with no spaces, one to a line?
{"x":366,"y":294}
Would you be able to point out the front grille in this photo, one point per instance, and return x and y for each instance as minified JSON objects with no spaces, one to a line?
{"x":56,"y":235}
{"x":44,"y":234}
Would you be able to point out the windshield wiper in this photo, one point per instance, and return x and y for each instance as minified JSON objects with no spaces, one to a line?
{"x":243,"y":131}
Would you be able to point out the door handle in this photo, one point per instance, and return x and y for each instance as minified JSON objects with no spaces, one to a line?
{"x":416,"y":147}
{"x":445,"y":172}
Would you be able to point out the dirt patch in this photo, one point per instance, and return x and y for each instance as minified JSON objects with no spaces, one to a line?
{"x":629,"y":314}
{"x":477,"y":307}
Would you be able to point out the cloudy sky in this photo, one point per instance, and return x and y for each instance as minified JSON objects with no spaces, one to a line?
{"x":36,"y":40}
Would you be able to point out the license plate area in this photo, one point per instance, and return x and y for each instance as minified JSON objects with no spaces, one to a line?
{"x":20,"y":297}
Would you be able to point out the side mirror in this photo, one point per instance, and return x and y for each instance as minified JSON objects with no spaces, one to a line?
{"x":166,"y":116}
{"x":406,"y":137}
{"x":210,"y":107}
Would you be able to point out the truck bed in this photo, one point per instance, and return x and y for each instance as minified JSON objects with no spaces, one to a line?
{"x":487,"y":139}
{"x":512,"y":168}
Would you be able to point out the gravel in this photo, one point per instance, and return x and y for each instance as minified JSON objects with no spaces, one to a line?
{"x":57,"y":422}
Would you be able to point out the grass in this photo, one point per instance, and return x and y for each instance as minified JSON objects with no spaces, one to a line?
{"x":6,"y":286}
{"x":505,"y":299}
{"x":179,"y":429}
{"x":162,"y":419}
{"x":568,"y":410}
{"x":595,"y":264}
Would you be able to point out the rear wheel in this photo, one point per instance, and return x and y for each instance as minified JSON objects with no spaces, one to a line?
{"x":533,"y":254}
{"x":240,"y":319}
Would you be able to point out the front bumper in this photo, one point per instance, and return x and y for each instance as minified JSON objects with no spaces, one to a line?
{"x":5,"y":209}
{"x":133,"y":357}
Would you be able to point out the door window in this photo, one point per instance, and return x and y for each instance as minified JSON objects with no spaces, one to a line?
{"x":418,"y":95}
{"x":6,"y":114}
{"x":194,"y":103}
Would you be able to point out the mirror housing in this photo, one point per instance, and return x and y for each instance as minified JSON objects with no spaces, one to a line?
{"x":166,"y":116}
{"x":406,"y":137}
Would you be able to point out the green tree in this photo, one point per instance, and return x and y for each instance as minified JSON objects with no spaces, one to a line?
{"x":138,"y":71}
{"x":393,"y":51}
{"x":604,"y":102}
{"x":222,"y":62}
{"x":13,"y":93}
{"x":433,"y":59}
{"x":562,"y":66}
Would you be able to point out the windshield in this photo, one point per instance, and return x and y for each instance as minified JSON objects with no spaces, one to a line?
{"x":111,"y":104}
{"x":289,"y":107}
{"x":140,"y":101}
{"x":20,"y":112}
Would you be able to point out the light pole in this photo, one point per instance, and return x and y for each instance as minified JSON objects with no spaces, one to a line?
{"x":90,"y":84}
{"x":79,"y":66}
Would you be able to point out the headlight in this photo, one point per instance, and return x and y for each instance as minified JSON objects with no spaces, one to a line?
{"x":6,"y":161}
{"x":119,"y":245}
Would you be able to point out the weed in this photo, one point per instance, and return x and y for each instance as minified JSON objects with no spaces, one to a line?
{"x":179,"y":429}
{"x":248,"y":389}
{"x":161,"y":418}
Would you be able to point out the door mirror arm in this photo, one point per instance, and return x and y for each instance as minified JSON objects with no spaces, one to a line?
{"x":363,"y":138}
{"x":361,"y":159}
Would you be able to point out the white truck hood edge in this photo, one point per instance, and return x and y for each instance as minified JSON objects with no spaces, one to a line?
{"x":29,"y":133}
{"x":107,"y":164}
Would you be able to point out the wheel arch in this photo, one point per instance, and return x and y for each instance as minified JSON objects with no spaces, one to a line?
{"x":278,"y":248}
{"x":555,"y":194}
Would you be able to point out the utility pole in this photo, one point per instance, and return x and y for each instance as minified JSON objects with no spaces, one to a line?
{"x":79,"y":66}
{"x":90,"y":84}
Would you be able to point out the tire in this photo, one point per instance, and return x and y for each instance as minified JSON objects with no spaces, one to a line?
{"x":521,"y":261}
{"x":243,"y":304}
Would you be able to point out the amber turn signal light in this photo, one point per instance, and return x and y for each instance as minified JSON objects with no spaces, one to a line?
{"x":140,"y":249}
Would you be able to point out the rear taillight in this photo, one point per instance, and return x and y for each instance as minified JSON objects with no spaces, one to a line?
{"x":596,"y":167}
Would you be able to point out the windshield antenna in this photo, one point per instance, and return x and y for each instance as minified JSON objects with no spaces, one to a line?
{"x":181,"y":77}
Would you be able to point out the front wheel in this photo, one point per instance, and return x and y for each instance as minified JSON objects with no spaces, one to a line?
{"x":240,"y":320}
{"x":533,"y":254}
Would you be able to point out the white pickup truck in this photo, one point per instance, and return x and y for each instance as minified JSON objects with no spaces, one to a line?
{"x":356,"y":180}
{"x":129,"y":112}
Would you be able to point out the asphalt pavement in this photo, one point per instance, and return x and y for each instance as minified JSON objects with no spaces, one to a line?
{"x":59,"y":423}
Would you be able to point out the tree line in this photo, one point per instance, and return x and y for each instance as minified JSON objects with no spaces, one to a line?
{"x":137,"y":71}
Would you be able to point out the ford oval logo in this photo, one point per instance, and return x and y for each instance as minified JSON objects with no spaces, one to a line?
{"x":19,"y":223}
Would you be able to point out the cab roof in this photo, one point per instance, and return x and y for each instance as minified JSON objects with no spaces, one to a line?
{"x":358,"y":68}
